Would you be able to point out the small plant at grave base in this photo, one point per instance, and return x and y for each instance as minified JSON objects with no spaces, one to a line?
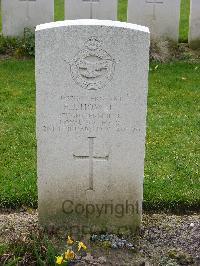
{"x":27,"y":44}
{"x":75,"y":251}
{"x":18,"y":47}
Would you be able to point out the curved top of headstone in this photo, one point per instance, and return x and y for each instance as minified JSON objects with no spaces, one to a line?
{"x":92,"y":22}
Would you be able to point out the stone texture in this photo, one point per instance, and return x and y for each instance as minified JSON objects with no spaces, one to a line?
{"x":194,"y":33}
{"x":96,"y":9}
{"x":20,"y":14}
{"x":161,"y":16}
{"x":92,"y":81}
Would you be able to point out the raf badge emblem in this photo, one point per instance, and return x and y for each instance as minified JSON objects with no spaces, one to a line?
{"x":92,"y":68}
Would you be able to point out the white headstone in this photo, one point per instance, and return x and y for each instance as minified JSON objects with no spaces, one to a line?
{"x":20,"y":14}
{"x":194,"y":32}
{"x":92,"y":81}
{"x":93,"y":9}
{"x":161,"y":16}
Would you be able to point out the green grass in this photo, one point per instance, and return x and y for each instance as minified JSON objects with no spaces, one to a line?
{"x":17,"y":133}
{"x":37,"y":249}
{"x":59,"y":10}
{"x":171,"y":172}
{"x":172,"y":178}
{"x":184,"y":20}
{"x":0,"y":17}
{"x":122,"y":10}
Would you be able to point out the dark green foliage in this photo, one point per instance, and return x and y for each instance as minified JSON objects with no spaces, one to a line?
{"x":8,"y":45}
{"x":18,"y":47}
{"x":28,"y":43}
{"x":37,"y":249}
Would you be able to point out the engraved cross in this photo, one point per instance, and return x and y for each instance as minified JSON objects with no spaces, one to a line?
{"x":91,"y":2}
{"x":91,"y":157}
{"x":154,"y":2}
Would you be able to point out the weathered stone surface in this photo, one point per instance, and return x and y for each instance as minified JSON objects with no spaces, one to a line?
{"x":194,"y":33}
{"x":161,"y":16}
{"x":96,"y":9}
{"x":92,"y":81}
{"x":20,"y":14}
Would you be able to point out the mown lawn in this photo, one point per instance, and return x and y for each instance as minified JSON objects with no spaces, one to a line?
{"x":171,"y":172}
{"x":172,"y":178}
{"x":17,"y":133}
{"x":184,"y":20}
